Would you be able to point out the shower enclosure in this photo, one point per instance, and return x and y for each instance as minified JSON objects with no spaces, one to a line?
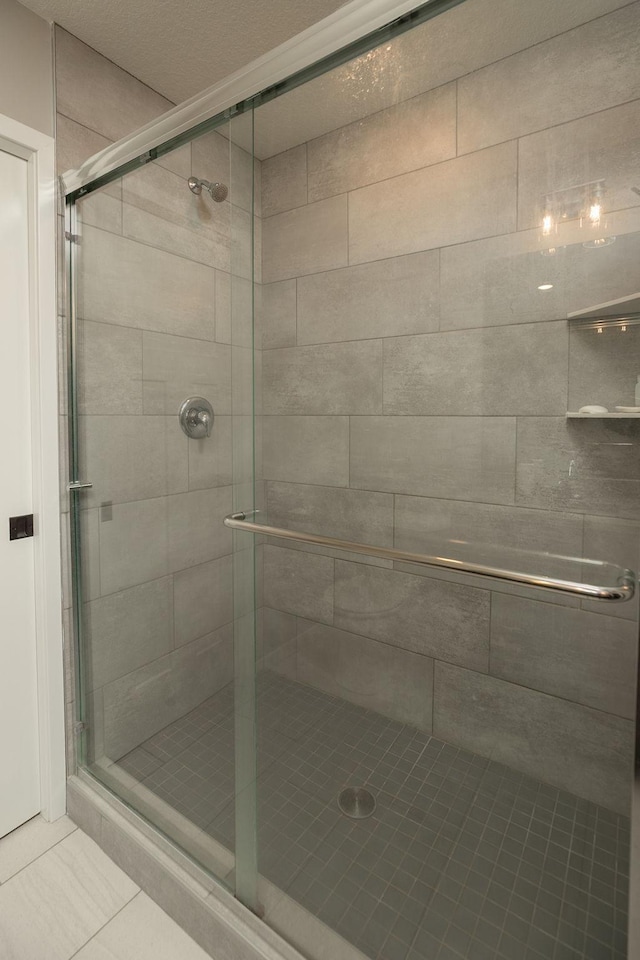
{"x":354,"y":589}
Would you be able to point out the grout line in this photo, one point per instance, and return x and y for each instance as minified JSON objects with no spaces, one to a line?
{"x":106,"y":924}
{"x":44,"y":852}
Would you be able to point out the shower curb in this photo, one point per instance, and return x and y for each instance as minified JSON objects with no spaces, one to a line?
{"x":218,"y":922}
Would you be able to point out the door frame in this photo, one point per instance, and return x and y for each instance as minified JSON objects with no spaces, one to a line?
{"x":38,"y":150}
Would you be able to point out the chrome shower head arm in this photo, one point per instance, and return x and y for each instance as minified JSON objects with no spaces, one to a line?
{"x":217,"y":191}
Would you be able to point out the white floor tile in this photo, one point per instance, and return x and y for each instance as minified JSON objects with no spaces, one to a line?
{"x":57,"y":903}
{"x":142,"y":931}
{"x":29,"y":842}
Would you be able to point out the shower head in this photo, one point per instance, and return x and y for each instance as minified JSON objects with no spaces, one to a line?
{"x":217,"y":191}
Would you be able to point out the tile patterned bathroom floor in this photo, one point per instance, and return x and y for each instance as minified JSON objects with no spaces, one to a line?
{"x":462,"y":858}
{"x":62,"y":898}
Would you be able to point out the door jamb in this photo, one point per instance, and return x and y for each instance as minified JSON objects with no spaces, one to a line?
{"x":38,"y":150}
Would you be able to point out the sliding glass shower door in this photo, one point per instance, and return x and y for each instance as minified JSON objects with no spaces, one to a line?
{"x":355,"y":588}
{"x":162,"y":450}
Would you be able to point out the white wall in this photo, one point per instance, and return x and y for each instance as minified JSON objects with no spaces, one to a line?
{"x":26,"y":68}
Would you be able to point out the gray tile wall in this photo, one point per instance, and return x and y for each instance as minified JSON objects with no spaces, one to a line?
{"x":415,"y":387}
{"x":161,"y":288}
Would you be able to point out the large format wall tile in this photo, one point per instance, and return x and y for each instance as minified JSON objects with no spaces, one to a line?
{"x":618,"y":542}
{"x":203,"y":599}
{"x":466,"y":38}
{"x":245,"y":245}
{"x":195,"y":529}
{"x":223,"y":307}
{"x":210,"y":156}
{"x":141,"y":703}
{"x":278,"y":314}
{"x":95,"y":92}
{"x":134,"y":285}
{"x":478,"y":372}
{"x":454,"y":201}
{"x":332,"y":512}
{"x":298,"y":583}
{"x":306,"y":240}
{"x":456,"y":458}
{"x":571,"y":746}
{"x":413,"y":134}
{"x":587,"y":466}
{"x":585,"y":657}
{"x":165,"y":195}
{"x":306,"y":450}
{"x":210,"y":459}
{"x":417,"y":518}
{"x":277,"y":642}
{"x":284,"y":181}
{"x":101,"y":209}
{"x":146,"y":227}
{"x":126,"y":630}
{"x":133,"y":544}
{"x":600,"y":147}
{"x":133,"y":458}
{"x":241,"y":181}
{"x":551,"y":83}
{"x":75,"y":143}
{"x":391,"y":681}
{"x":178,"y":367}
{"x":430,"y":617}
{"x":109,"y":369}
{"x":90,"y":542}
{"x":496,"y":281}
{"x":324,"y":379}
{"x":388,"y":298}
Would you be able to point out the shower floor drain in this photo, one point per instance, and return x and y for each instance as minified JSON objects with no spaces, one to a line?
{"x":357,"y":803}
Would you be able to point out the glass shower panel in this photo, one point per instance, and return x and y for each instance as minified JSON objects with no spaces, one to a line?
{"x":450,"y":274}
{"x":162,"y":407}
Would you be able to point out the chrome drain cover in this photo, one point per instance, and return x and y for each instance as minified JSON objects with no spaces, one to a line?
{"x":357,"y":803}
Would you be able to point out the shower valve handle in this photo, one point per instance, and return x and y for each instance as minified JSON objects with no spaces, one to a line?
{"x":205,"y":419}
{"x":196,"y":418}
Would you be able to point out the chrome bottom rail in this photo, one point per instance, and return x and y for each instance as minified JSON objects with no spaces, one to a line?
{"x":622,"y":590}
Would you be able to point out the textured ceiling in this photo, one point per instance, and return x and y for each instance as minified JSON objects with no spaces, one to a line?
{"x":179,"y":47}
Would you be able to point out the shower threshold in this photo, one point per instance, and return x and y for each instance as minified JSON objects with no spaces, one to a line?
{"x":462,"y":857}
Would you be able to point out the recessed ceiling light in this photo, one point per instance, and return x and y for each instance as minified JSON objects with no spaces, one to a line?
{"x":545,"y":286}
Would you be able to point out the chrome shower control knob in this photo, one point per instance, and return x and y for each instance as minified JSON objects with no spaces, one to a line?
{"x":196,"y":418}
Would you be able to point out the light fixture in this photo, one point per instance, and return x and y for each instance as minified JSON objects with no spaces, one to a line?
{"x":545,"y":286}
{"x":594,"y":214}
{"x":582,"y":202}
{"x":595,"y":208}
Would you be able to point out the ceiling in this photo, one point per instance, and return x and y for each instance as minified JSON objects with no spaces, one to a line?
{"x":179,"y":47}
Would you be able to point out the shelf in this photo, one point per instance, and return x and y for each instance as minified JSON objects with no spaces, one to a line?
{"x":603,"y":416}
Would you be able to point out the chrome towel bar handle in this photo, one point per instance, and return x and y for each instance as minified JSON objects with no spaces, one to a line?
{"x":623,"y":589}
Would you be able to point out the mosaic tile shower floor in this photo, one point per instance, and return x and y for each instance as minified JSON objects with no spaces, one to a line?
{"x":462,"y":858}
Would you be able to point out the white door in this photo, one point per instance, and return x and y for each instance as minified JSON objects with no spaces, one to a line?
{"x":19,"y":760}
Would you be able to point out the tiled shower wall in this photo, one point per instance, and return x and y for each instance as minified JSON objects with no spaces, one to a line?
{"x":415,"y":385}
{"x":162,"y":274}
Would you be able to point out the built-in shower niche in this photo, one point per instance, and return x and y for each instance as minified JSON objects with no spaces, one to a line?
{"x":604,"y":360}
